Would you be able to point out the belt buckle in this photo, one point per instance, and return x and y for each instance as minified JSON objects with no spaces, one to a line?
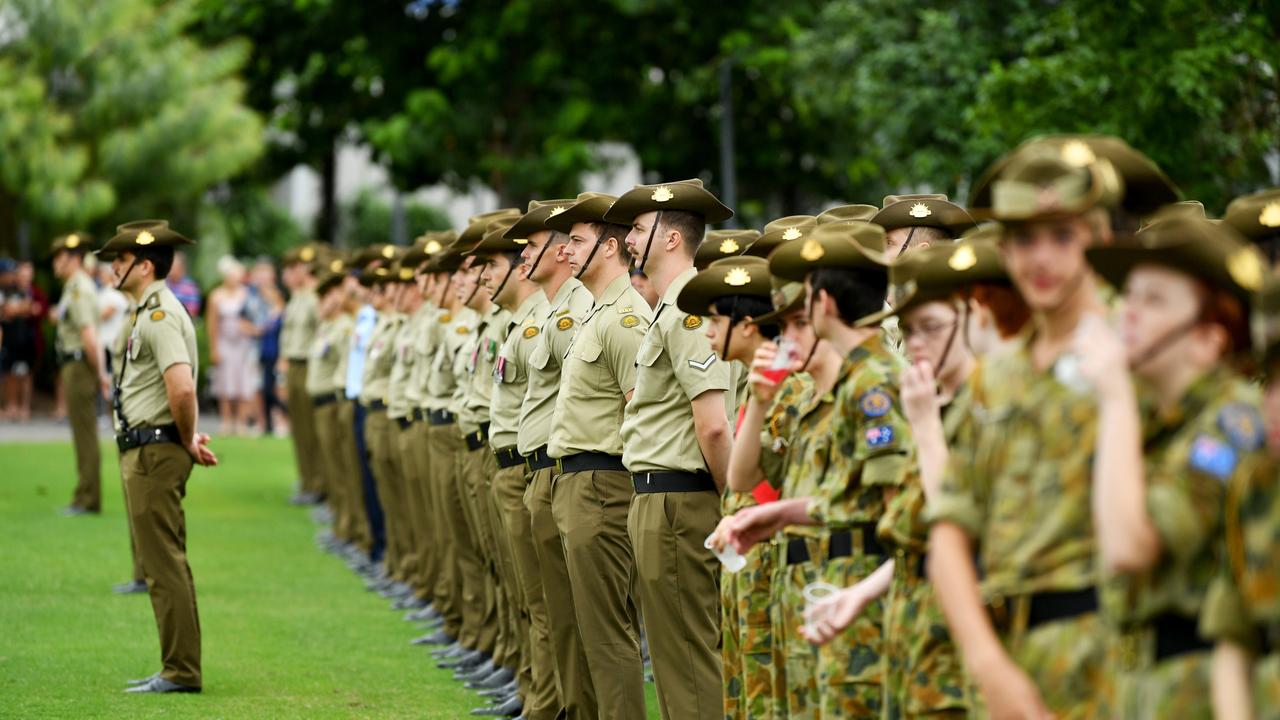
{"x":559,"y":466}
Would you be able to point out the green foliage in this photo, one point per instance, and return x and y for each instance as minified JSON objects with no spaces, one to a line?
{"x":367,"y":220}
{"x":109,"y":108}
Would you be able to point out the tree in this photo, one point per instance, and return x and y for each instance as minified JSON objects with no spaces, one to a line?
{"x":109,"y":108}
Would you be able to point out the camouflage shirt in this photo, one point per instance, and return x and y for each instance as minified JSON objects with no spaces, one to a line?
{"x":863,"y":443}
{"x":1190,"y":457}
{"x":1018,"y":479}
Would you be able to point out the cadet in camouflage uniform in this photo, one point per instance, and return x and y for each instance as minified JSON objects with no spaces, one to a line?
{"x":156,"y":414}
{"x":569,"y":302}
{"x":592,"y":490}
{"x":1242,"y":612}
{"x":299,"y":328}
{"x":731,"y":293}
{"x":81,"y":370}
{"x":676,"y":441}
{"x":1160,"y":477}
{"x":845,"y":462}
{"x":944,"y":327}
{"x":504,"y":277}
{"x":1017,"y":488}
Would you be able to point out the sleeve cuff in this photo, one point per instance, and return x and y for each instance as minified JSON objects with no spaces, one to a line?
{"x":953,"y":509}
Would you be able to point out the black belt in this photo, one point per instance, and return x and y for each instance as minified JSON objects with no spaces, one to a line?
{"x":508,"y":457}
{"x":1177,"y":635}
{"x":137,"y":437}
{"x":479,"y":438}
{"x":70,"y":357}
{"x":1047,"y":607}
{"x":441,"y":417}
{"x":404,"y":422}
{"x":417,"y":415}
{"x":297,"y":361}
{"x":839,"y":545}
{"x":666,"y":481}
{"x":322,"y":400}
{"x":539,"y":459}
{"x":587,"y":461}
{"x":376,"y":405}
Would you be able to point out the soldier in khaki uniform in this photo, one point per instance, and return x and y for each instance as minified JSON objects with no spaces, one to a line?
{"x":299,"y":328}
{"x":373,"y":396}
{"x":158,"y":446}
{"x":721,"y":244}
{"x":591,"y":491}
{"x":399,"y":428}
{"x":676,"y":439}
{"x":325,"y":378}
{"x":504,"y":277}
{"x":82,"y":372}
{"x":569,"y":301}
{"x":731,"y":293}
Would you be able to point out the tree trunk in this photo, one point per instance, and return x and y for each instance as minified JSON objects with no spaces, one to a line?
{"x":327,"y":220}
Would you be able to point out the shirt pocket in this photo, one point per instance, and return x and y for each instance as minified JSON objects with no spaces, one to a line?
{"x":540,"y":356}
{"x":648,"y":354}
{"x":587,"y":351}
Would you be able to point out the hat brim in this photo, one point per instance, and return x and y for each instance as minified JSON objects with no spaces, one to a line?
{"x":635,"y":203}
{"x":943,"y":215}
{"x":699,"y":295}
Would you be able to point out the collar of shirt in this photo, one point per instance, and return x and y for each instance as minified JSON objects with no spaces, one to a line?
{"x":673,"y":292}
{"x":155,"y":287}
{"x":562,"y":295}
{"x":611,"y":293}
{"x":526,"y":309}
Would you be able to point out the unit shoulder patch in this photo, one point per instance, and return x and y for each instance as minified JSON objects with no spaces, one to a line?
{"x":692,"y":322}
{"x":1242,"y":426}
{"x":564,"y":323}
{"x":876,"y":403}
{"x":462,"y":329}
{"x":879,"y":436}
{"x":157,"y":315}
{"x":530,"y":332}
{"x":630,"y":321}
{"x":446,"y":318}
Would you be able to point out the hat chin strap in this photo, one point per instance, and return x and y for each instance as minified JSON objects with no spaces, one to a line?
{"x":649,"y":245}
{"x":474,"y":290}
{"x":1163,"y":342}
{"x":599,"y":241}
{"x":511,"y":267}
{"x":534,"y":267}
{"x":125,"y":276}
{"x":907,"y":243}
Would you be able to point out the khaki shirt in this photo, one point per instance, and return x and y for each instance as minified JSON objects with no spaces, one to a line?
{"x":344,"y":354}
{"x":414,"y":387}
{"x":398,"y":404}
{"x":511,"y":370}
{"x":598,"y":372}
{"x":77,"y":309}
{"x":328,"y":351}
{"x":566,"y":311}
{"x":675,"y":365}
{"x":161,"y":336}
{"x":300,"y":321}
{"x":441,"y":381}
{"x":481,"y":357}
{"x":382,"y":351}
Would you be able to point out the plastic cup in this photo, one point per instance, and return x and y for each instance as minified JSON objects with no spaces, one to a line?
{"x":783,"y":359}
{"x":816,"y":592}
{"x":729,"y":557}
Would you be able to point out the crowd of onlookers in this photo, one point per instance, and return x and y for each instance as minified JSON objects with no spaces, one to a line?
{"x":241,"y":318}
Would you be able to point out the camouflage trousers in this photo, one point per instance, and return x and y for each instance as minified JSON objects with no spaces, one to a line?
{"x":1067,"y":660}
{"x":752,"y":679}
{"x":923,"y":675}
{"x":842,"y":678}
{"x":1145,"y":689}
{"x":1266,"y":687}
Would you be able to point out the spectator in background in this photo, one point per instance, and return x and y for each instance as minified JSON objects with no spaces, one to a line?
{"x":25,"y":307}
{"x":182,"y":286}
{"x":232,"y":348}
{"x":266,"y":312}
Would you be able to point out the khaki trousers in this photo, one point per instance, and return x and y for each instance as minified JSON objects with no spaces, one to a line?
{"x":445,"y":444}
{"x":406,"y":462}
{"x":507,"y":649}
{"x":537,"y":674}
{"x":302,"y":427}
{"x":510,"y":604}
{"x":591,"y":510}
{"x":571,"y":660}
{"x":327,"y":441}
{"x":377,"y":435}
{"x":421,"y":510}
{"x":677,"y":579}
{"x":356,"y":522}
{"x":81,"y":390}
{"x":479,"y":611}
{"x":155,"y":481}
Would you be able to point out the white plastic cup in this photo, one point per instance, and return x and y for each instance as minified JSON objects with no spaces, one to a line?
{"x":729,"y":557}
{"x":818,"y":591}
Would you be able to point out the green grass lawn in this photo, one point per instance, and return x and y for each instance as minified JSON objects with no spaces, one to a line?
{"x":288,"y":631}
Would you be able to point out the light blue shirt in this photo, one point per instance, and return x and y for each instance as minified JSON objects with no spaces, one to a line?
{"x":365,"y":320}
